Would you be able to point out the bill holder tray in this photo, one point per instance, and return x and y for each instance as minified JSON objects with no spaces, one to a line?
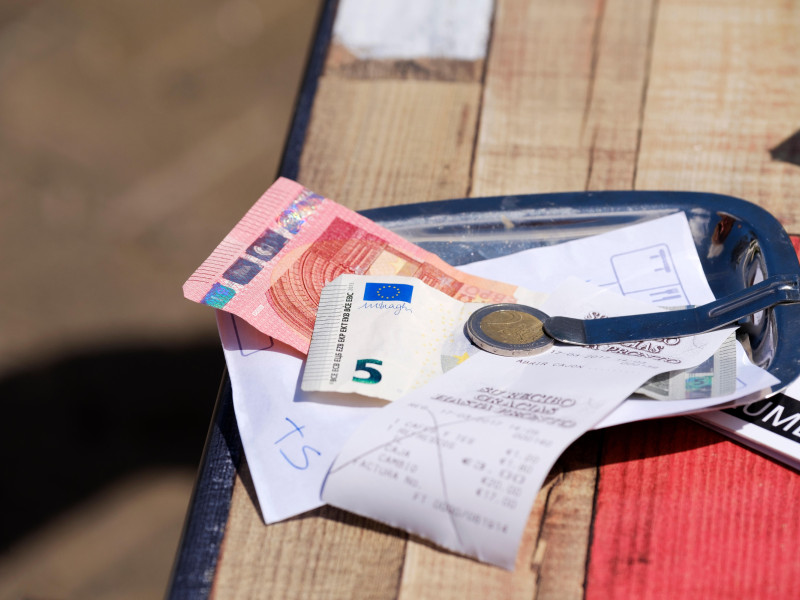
{"x":738,"y":242}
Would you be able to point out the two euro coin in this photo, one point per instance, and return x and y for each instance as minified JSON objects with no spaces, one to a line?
{"x":508,"y":330}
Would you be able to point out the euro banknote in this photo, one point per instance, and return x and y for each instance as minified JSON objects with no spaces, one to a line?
{"x":271,"y":268}
{"x":383,"y":336}
{"x":713,"y":377}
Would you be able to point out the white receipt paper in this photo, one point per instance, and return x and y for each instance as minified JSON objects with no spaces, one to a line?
{"x":460,"y":460}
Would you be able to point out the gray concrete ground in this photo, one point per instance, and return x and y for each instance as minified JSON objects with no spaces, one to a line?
{"x":133,"y":135}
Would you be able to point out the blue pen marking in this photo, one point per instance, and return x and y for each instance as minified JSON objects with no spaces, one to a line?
{"x":662,"y":292}
{"x":304,"y":450}
{"x":663,"y":256}
{"x":239,"y":340}
{"x":305,"y":457}
{"x":297,"y":429}
{"x":663,"y":295}
{"x":648,"y":270}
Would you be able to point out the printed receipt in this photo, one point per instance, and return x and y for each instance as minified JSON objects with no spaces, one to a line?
{"x":460,"y":460}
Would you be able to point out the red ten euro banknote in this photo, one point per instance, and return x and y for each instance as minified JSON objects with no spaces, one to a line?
{"x":271,"y":268}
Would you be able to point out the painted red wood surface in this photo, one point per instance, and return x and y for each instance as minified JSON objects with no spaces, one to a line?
{"x":666,"y":489}
{"x":682,"y":512}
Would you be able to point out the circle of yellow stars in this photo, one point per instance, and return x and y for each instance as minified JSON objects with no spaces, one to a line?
{"x":394,"y":290}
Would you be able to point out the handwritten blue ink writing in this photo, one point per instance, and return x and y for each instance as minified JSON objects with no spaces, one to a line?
{"x":304,"y":450}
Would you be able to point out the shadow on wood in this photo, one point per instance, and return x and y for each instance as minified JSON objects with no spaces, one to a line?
{"x":75,"y":425}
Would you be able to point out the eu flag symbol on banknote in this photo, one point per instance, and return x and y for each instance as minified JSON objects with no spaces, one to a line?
{"x":397,"y":292}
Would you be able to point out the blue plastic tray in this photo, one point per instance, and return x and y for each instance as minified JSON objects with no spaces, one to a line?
{"x":738,"y":242}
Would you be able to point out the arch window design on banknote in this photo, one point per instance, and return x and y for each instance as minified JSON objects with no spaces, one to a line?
{"x":242,"y":271}
{"x":267,"y":245}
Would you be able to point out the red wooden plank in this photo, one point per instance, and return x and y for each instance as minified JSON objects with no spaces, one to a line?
{"x":796,"y":243}
{"x":684,"y":513}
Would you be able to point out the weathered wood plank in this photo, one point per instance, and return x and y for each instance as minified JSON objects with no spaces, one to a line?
{"x":324,"y":554}
{"x":381,"y":143}
{"x":615,"y":106}
{"x":535,"y":98}
{"x":115,"y":544}
{"x":343,"y":63}
{"x":562,"y":108}
{"x":723,"y":92}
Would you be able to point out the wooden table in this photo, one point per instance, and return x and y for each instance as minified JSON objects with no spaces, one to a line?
{"x":571,"y":95}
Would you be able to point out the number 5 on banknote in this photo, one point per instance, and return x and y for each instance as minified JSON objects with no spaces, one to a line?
{"x":373,"y":375}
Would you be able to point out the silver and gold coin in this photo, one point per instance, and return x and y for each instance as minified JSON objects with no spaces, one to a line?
{"x":508,"y":330}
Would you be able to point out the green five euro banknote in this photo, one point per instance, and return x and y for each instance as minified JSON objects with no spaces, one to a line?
{"x":383,"y":336}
